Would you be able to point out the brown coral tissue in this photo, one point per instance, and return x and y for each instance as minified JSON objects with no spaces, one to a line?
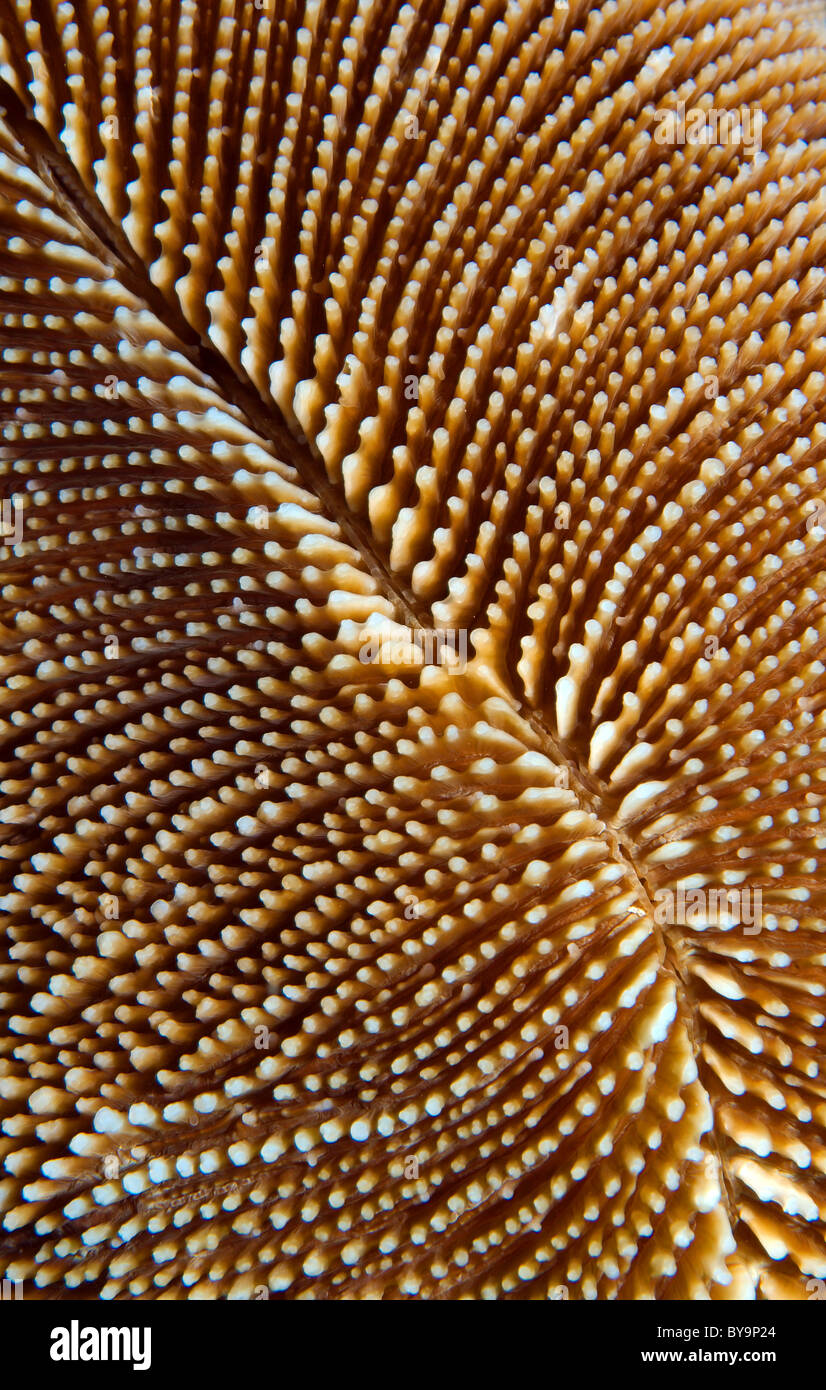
{"x":413,"y":731}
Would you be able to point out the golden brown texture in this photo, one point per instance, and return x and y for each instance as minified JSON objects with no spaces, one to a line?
{"x":344,"y":978}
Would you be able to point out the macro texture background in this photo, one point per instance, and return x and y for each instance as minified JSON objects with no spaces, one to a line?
{"x":325,"y":977}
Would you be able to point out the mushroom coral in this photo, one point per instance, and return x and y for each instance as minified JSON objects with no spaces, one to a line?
{"x":412,"y":742}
